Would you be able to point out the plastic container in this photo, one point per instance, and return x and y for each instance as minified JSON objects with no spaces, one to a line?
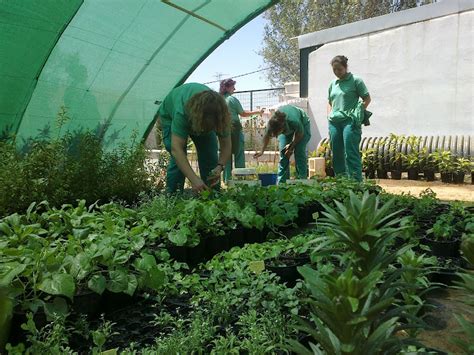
{"x":231,"y":183}
{"x":268,"y":179}
{"x":317,"y":167}
{"x":244,"y":174}
{"x":301,"y":181}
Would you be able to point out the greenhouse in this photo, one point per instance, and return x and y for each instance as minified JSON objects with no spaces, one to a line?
{"x":143,"y":211}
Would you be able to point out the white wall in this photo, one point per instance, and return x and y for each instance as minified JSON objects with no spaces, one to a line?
{"x":420,"y":77}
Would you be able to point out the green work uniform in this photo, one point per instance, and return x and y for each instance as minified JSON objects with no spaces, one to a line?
{"x":237,"y":136}
{"x":175,"y":121}
{"x":344,"y":125}
{"x":297,"y":121}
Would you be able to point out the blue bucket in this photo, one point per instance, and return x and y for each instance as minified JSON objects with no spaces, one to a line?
{"x":268,"y":179}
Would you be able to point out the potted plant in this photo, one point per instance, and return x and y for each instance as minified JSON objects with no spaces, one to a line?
{"x":441,"y":237}
{"x":428,"y":165}
{"x":369,"y":162}
{"x":444,"y":162}
{"x":395,"y":155}
{"x":285,"y":266}
{"x":461,"y":167}
{"x":324,"y":150}
{"x":412,"y":163}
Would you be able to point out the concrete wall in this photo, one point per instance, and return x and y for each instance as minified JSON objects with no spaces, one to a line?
{"x":420,"y":77}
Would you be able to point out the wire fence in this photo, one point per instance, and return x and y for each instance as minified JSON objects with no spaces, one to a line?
{"x":255,"y":99}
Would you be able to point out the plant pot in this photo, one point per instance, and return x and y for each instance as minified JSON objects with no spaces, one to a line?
{"x":114,"y":301}
{"x":447,"y":177}
{"x":330,"y":172}
{"x":254,"y":235}
{"x":199,"y":253}
{"x":17,"y":334}
{"x":382,"y":174}
{"x":444,"y":248}
{"x":370,"y":174}
{"x":235,"y":237}
{"x":87,"y":303}
{"x":396,"y":174}
{"x":178,"y":253}
{"x":288,"y":274}
{"x":429,"y":175}
{"x":413,"y":174}
{"x":458,"y":178}
{"x":216,"y":245}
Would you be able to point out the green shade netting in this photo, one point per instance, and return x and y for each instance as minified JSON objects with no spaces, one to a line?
{"x":107,"y":61}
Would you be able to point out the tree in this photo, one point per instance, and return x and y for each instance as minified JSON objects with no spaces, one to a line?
{"x":291,"y":18}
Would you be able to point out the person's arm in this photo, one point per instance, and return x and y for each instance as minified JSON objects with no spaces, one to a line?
{"x":366,"y":101}
{"x":329,"y":109}
{"x":178,"y":151}
{"x":225,"y":145}
{"x":266,"y":140}
{"x":251,"y":113}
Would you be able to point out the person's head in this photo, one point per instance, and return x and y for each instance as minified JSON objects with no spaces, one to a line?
{"x":208,"y":112}
{"x":339,"y":65}
{"x":276,"y":124}
{"x":227,"y":87}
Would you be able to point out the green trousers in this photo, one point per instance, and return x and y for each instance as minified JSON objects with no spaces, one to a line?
{"x":345,"y":140}
{"x":238,"y":152}
{"x":301,"y":156}
{"x":206,"y":147}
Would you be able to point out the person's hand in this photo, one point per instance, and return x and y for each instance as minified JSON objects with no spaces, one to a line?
{"x":288,"y":150}
{"x":199,"y":186}
{"x":257,"y":155}
{"x":215,"y":175}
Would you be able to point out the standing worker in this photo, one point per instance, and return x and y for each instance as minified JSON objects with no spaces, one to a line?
{"x":227,"y":88}
{"x":194,"y":110}
{"x":291,"y":125}
{"x":346,"y":114}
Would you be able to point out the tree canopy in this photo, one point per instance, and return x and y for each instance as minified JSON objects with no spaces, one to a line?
{"x":291,"y":18}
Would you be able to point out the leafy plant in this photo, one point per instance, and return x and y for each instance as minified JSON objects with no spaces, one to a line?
{"x":369,"y":159}
{"x":444,"y":228}
{"x":462,"y":165}
{"x":444,"y":161}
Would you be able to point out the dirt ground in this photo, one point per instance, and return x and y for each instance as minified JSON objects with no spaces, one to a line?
{"x":441,"y":319}
{"x":445,"y":192}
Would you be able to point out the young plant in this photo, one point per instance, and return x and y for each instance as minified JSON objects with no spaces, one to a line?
{"x":444,"y":227}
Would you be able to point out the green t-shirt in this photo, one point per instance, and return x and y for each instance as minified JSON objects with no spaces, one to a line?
{"x":235,"y":109}
{"x":344,"y":94}
{"x":172,"y":110}
{"x":296,"y":119}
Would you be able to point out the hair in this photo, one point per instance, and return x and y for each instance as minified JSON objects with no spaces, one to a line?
{"x":340,"y":59}
{"x":225,"y":85}
{"x":208,"y":111}
{"x":276,"y":122}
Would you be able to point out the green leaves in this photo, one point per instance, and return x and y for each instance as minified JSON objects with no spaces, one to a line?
{"x":97,"y":283}
{"x":118,"y":281}
{"x":58,"y":284}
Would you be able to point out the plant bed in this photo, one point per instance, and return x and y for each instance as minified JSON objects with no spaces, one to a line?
{"x":285,"y":266}
{"x":17,"y":334}
{"x":413,"y":174}
{"x":114,"y":301}
{"x":443,"y":248}
{"x":396,"y":174}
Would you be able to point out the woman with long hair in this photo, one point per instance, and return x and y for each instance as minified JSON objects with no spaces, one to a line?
{"x":291,"y":125}
{"x":348,"y":99}
{"x":227,"y":88}
{"x":195,"y":111}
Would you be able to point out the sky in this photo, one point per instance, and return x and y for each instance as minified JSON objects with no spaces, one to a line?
{"x":237,"y":55}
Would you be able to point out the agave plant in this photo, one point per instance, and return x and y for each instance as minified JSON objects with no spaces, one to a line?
{"x":350,"y":315}
{"x":364,"y":229}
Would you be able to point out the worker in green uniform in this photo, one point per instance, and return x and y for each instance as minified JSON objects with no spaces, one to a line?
{"x":194,"y":110}
{"x":348,"y":100}
{"x":227,"y":88}
{"x":291,"y":125}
